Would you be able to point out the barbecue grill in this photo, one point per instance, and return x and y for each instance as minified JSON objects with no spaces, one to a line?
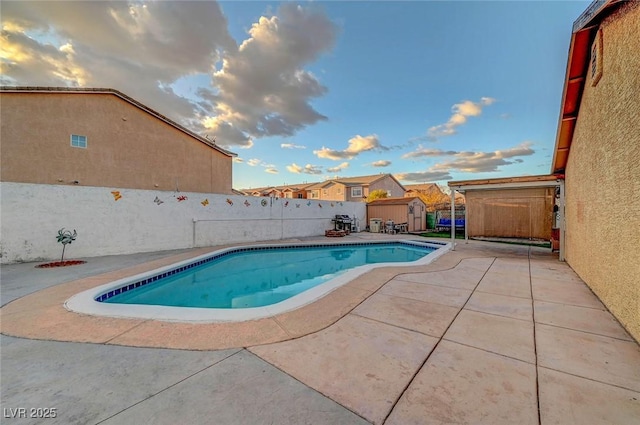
{"x":342,"y":222}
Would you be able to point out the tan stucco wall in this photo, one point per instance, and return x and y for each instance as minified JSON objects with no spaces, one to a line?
{"x":388,"y":184}
{"x":334,"y":192}
{"x":126,"y":147}
{"x":603,"y":174}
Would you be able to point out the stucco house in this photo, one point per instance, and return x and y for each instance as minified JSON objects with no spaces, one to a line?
{"x":102,"y":137}
{"x":355,"y":189}
{"x":427,"y":189}
{"x":598,"y":151}
{"x":295,"y":191}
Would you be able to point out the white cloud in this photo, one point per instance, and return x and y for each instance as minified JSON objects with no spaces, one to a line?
{"x":461,"y":111}
{"x":465,"y":161}
{"x":238,"y":160}
{"x":291,"y":146}
{"x":307,"y":169}
{"x":135,"y":48}
{"x":262,"y":89}
{"x":421,"y":151}
{"x":142,"y":49}
{"x":381,"y":163}
{"x":271,"y":170}
{"x":487,"y":100}
{"x":357,"y":145}
{"x":254,"y":162}
{"x":338,"y":168}
{"x":477,"y":162}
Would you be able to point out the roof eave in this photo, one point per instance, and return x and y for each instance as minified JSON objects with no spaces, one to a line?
{"x":584,"y":29}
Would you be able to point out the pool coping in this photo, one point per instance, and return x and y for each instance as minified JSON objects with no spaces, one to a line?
{"x":85,"y":302}
{"x":42,"y":315}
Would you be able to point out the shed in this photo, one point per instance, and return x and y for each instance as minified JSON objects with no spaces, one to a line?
{"x":411,"y":211}
{"x":513,"y":207}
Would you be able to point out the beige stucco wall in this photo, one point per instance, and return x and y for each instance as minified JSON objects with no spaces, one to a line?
{"x":388,"y":184}
{"x":126,"y":147}
{"x":603,"y":174}
{"x":334,"y":192}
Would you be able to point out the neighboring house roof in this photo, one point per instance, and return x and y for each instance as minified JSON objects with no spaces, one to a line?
{"x":419,"y":187}
{"x":584,"y":31}
{"x":285,"y":188}
{"x":320,"y":185}
{"x":366,"y":180}
{"x":395,"y":201}
{"x":86,"y":90}
{"x":347,"y":181}
{"x":354,"y":181}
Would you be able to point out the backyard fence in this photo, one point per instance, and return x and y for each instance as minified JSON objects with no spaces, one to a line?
{"x":112,"y":221}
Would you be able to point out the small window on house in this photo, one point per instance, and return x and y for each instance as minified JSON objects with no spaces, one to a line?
{"x":78,"y":141}
{"x":356,"y":192}
{"x":300,"y":196}
{"x":339,"y":191}
{"x":324,"y":192}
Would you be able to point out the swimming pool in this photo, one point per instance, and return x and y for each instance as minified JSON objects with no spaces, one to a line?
{"x":247,"y":282}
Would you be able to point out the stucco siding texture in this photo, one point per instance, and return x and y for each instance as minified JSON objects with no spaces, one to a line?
{"x":387,"y":184}
{"x":603,"y":174}
{"x":334,"y":192}
{"x":126,"y":146}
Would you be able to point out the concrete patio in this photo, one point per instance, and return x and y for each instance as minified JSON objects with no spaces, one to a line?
{"x":488,"y":334}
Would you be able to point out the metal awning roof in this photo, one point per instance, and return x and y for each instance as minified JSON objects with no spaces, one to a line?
{"x":521,"y":182}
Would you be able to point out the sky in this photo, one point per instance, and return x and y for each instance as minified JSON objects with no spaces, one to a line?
{"x":429,"y":91}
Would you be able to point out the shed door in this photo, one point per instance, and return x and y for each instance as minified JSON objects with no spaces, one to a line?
{"x":415,"y":217}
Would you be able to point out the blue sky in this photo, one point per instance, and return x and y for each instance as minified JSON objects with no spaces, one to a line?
{"x":427,"y":91}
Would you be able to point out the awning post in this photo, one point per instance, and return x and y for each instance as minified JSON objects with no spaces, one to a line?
{"x":453,"y":219}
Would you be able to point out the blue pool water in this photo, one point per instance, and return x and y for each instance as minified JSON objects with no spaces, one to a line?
{"x":260,"y":276}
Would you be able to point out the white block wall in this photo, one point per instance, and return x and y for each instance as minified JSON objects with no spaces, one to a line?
{"x":32,"y":214}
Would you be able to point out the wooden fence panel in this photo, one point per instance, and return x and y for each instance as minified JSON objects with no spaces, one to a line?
{"x":510,"y":213}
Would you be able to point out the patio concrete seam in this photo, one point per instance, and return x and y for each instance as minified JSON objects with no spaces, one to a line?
{"x":591,"y":379}
{"x":394,"y":325}
{"x":493,"y":293}
{"x":439,"y":286}
{"x":124,"y":332}
{"x":487,"y":351}
{"x":587,"y":332}
{"x":447,"y":269}
{"x":496,"y":314}
{"x":281,"y":326}
{"x":294,"y":337}
{"x":435,"y":346}
{"x":535,"y":343}
{"x":421,"y":301}
{"x":574,"y":305}
{"x":302,"y":383}
{"x":168,"y":387}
